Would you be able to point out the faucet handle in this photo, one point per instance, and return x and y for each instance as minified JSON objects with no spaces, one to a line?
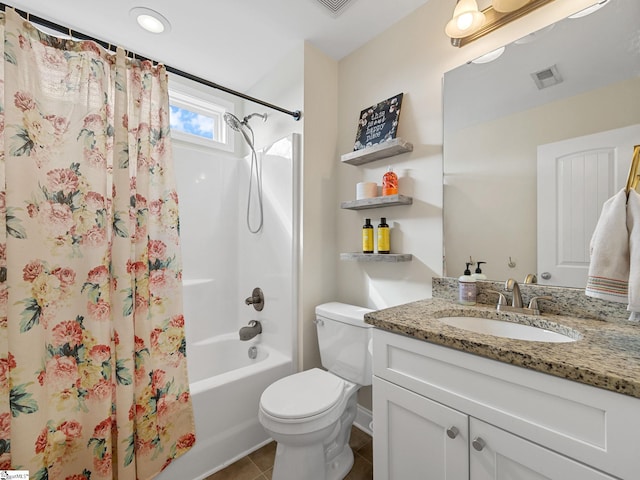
{"x":502,"y":300}
{"x":533,"y":303}
{"x":256,"y":299}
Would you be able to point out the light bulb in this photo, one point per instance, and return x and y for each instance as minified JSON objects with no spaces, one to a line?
{"x":150,"y":20}
{"x":464,"y":21}
{"x":505,"y":6}
{"x":151,"y":24}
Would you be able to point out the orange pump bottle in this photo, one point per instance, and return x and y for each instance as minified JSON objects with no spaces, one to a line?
{"x":389,"y":183}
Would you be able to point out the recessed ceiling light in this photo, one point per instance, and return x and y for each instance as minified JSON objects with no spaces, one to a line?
{"x":150,"y":20}
{"x":589,"y":10}
{"x":489,"y":57}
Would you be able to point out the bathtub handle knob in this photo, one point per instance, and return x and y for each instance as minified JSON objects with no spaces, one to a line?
{"x":256,"y":299}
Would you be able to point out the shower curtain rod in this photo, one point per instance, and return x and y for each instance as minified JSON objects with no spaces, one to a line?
{"x":296,"y":114}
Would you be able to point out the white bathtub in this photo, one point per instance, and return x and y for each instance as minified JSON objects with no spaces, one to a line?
{"x":225,"y":387}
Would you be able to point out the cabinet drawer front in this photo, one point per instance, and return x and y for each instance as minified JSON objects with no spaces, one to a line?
{"x":589,"y":424}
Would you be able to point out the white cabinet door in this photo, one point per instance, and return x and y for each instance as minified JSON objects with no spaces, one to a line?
{"x":498,"y":455}
{"x":417,"y":438}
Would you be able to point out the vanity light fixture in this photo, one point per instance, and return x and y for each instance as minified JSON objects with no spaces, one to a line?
{"x":504,"y":6}
{"x":590,"y":10}
{"x":498,"y":14}
{"x":466,"y":20}
{"x":150,"y":20}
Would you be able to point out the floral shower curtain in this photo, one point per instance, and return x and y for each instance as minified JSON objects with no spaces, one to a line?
{"x":93,"y":380}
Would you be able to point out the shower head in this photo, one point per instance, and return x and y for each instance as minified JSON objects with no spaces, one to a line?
{"x":236,"y":124}
{"x":242,"y":127}
{"x":233,"y":121}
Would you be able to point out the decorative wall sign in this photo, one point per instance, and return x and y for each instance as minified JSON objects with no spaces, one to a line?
{"x":378,"y":123}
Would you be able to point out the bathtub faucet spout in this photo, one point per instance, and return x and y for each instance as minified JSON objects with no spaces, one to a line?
{"x":254,"y":328}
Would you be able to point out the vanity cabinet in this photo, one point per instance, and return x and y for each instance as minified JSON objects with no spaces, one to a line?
{"x":423,"y":439}
{"x":440,"y":413}
{"x":417,"y":438}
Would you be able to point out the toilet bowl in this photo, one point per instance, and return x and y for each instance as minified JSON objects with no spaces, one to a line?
{"x":310,"y":414}
{"x":311,"y":426}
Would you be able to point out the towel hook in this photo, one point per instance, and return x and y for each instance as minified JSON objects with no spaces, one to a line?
{"x":634,"y":171}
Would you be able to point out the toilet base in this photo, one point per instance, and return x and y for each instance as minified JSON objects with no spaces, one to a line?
{"x":341,"y":465}
{"x":310,"y":464}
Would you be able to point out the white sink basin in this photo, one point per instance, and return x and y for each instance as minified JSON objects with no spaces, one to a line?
{"x":499,"y":328}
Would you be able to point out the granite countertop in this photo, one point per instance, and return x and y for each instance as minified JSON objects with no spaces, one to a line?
{"x":607,"y":354}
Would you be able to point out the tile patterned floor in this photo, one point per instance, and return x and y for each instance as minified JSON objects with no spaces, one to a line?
{"x":259,"y":464}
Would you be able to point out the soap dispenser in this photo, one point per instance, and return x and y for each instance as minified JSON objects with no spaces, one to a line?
{"x":478,"y":275}
{"x":389,"y":183}
{"x":467,"y":288}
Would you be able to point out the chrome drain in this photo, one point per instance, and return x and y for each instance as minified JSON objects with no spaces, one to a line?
{"x":253,"y":352}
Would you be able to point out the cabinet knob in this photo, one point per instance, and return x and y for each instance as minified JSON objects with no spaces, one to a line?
{"x":452,"y":432}
{"x":478,"y":443}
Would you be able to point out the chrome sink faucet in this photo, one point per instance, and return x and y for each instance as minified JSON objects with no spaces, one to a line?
{"x":512,"y":286}
{"x":516,"y":301}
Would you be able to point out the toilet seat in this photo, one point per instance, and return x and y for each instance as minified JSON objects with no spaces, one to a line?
{"x":302,"y":395}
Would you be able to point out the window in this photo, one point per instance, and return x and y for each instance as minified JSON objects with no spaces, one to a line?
{"x":197,"y":117}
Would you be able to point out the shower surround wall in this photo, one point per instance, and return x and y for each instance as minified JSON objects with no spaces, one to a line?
{"x":222,"y":263}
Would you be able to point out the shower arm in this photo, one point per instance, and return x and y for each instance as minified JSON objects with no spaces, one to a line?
{"x":263,"y":116}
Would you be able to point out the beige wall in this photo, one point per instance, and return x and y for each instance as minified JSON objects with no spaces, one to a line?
{"x":307,"y":79}
{"x":410,"y":57}
{"x":320,"y":190}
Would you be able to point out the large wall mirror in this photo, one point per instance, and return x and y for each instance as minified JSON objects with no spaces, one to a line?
{"x":548,"y":126}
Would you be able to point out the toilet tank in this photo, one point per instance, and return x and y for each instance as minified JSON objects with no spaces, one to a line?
{"x":343,"y":338}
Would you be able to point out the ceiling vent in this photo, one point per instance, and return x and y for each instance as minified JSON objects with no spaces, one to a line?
{"x":547,"y":77}
{"x":335,"y":7}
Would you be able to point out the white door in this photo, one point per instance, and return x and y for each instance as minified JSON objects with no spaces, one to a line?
{"x":499,"y":455}
{"x":417,"y":438}
{"x":575,"y":177}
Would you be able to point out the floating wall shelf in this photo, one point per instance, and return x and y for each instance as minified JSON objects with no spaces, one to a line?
{"x":377,"y":202}
{"x":377,"y":257}
{"x":376,"y":152}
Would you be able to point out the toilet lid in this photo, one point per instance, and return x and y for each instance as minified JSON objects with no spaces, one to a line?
{"x":302,"y":395}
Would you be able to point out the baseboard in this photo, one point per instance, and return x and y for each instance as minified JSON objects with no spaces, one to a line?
{"x":364,"y":420}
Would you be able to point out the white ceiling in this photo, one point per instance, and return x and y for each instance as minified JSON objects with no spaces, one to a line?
{"x":233,"y":43}
{"x":590,"y":52}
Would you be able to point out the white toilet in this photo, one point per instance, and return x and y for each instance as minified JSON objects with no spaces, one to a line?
{"x":310,"y":413}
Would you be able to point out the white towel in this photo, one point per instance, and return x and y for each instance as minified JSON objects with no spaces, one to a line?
{"x":609,"y":268}
{"x":633,"y":226}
